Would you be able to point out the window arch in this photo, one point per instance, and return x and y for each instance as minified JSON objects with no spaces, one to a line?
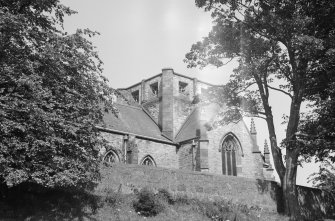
{"x":148,"y":161}
{"x":111,"y":157}
{"x":231,"y":153}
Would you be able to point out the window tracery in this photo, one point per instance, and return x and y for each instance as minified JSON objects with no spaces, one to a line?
{"x":111,"y":157}
{"x":231,"y":156}
{"x":148,"y":161}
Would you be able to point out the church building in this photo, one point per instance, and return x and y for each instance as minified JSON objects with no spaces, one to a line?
{"x":160,"y":123}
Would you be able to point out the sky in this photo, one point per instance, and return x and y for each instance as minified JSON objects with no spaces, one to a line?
{"x":138,"y":38}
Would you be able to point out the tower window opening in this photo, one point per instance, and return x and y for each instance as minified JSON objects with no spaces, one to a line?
{"x":154,"y":88}
{"x":136,"y":95}
{"x":182,"y":87}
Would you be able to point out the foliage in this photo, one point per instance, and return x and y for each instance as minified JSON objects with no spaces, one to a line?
{"x":35,"y":202}
{"x":280,"y":45}
{"x":221,"y":209}
{"x":58,"y":204}
{"x":325,"y":178}
{"x":317,"y":135}
{"x":113,"y":198}
{"x":147,"y":203}
{"x":50,"y":89}
{"x":165,"y":195}
{"x":182,"y":199}
{"x":317,"y":138}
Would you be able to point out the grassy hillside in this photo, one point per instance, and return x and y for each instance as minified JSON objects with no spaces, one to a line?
{"x":134,"y":192}
{"x":121,"y":207}
{"x":31,"y":202}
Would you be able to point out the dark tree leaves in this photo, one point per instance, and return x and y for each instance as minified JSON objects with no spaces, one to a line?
{"x":50,"y":90}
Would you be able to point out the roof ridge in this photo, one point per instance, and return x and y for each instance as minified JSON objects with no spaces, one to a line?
{"x":139,"y":135}
{"x":147,"y":112}
{"x":126,"y":88}
{"x":191,"y":78}
{"x":175,"y":73}
{"x":186,"y":120}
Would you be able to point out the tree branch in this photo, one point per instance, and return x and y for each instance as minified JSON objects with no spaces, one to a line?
{"x":228,"y":61}
{"x":263,"y":113}
{"x":277,"y":89}
{"x":260,"y":117}
{"x":246,"y":87}
{"x":266,"y":86}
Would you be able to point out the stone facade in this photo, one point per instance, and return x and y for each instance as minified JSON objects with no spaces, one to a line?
{"x":186,"y":137}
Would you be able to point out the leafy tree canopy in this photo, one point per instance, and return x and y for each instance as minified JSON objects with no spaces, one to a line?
{"x":281,"y":45}
{"x":317,"y":128}
{"x":50,"y":89}
{"x":325,"y":178}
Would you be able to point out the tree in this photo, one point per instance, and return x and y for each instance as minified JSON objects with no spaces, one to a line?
{"x":281,"y":45}
{"x":325,"y":178}
{"x":316,"y":131}
{"x":50,"y":89}
{"x":318,"y":138}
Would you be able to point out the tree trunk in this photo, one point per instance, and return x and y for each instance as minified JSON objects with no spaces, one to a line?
{"x":289,"y":186}
{"x":287,"y":175}
{"x":276,"y":152}
{"x":292,"y":152}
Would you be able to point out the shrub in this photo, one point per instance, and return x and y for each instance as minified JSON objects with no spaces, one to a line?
{"x":165,"y":195}
{"x":147,"y":203}
{"x":224,"y":210}
{"x":182,"y":199}
{"x":113,"y":198}
{"x":30,"y":201}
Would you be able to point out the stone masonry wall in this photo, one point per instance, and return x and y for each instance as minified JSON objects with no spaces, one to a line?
{"x":164,"y":155}
{"x":189,"y":89}
{"x":182,"y":101}
{"x":181,"y":110}
{"x":148,"y":94}
{"x":315,"y":204}
{"x":115,"y":143}
{"x":192,"y":184}
{"x":201,"y":86}
{"x":136,"y":88}
{"x":166,"y":105}
{"x":251,"y":162}
{"x":185,"y":155}
{"x":153,"y":109}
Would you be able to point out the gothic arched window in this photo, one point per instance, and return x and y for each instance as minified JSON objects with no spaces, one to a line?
{"x":148,"y":161}
{"x":231,"y":156}
{"x":111,"y":157}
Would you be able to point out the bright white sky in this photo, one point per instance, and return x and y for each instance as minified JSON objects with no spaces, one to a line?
{"x":139,"y":38}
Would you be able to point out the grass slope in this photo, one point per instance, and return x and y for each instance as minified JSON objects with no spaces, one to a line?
{"x":36,"y":203}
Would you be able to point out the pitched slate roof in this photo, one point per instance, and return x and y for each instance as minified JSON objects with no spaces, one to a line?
{"x":126,"y":98}
{"x":197,"y":120}
{"x":133,"y":120}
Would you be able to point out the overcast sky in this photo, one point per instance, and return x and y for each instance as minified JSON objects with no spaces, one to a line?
{"x":140,"y":37}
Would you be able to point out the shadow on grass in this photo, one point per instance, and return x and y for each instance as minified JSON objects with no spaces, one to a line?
{"x":33,"y":202}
